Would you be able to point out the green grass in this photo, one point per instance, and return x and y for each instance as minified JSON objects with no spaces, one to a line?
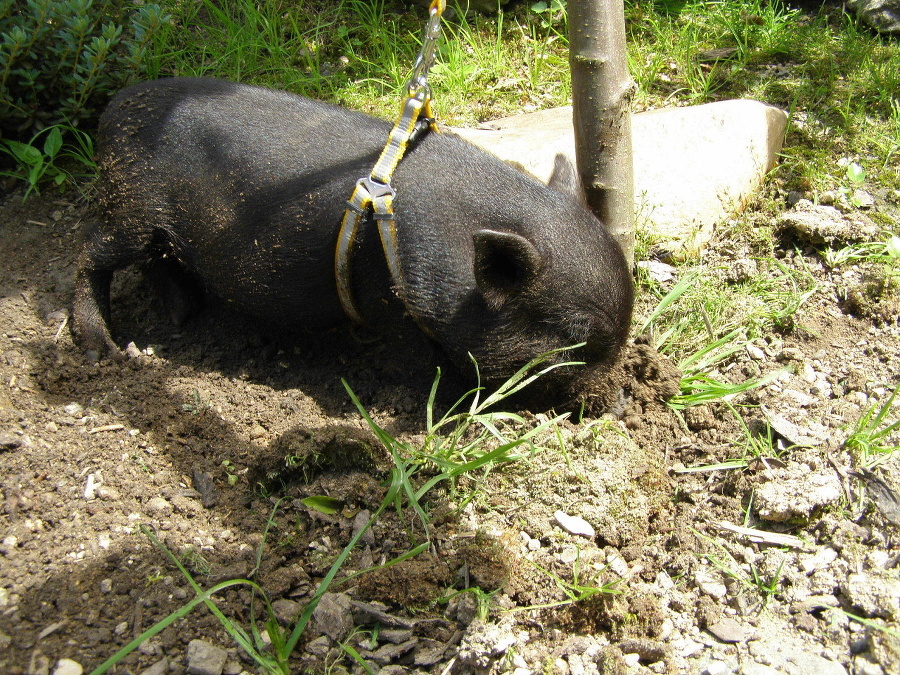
{"x":874,"y":438}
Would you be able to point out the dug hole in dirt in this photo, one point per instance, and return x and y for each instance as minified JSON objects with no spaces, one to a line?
{"x":201,"y":431}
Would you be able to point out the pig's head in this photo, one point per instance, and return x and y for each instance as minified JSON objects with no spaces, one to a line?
{"x":553,"y":281}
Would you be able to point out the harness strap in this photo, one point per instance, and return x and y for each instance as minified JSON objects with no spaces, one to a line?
{"x":374,"y":192}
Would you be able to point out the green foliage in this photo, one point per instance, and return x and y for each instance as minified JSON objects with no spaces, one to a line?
{"x":47,"y":157}
{"x":60,"y":60}
{"x":874,"y":437}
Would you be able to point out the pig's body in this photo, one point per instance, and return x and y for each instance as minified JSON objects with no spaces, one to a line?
{"x":244,"y":188}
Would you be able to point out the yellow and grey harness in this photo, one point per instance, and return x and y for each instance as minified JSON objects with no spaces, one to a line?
{"x":373,"y":193}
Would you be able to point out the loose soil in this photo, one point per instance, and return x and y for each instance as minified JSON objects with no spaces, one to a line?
{"x":196,"y":437}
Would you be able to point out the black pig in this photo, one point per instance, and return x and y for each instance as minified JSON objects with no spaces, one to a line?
{"x":242,"y":189}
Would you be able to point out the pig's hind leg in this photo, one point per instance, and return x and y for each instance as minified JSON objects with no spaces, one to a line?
{"x":102,"y":254}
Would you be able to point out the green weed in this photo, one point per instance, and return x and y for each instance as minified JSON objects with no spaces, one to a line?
{"x":49,"y":158}
{"x":873,"y":438}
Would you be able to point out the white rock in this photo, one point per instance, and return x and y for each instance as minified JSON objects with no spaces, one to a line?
{"x":709,"y":584}
{"x":693,"y":166}
{"x":658,"y":271}
{"x":755,"y":352}
{"x":715,"y":668}
{"x":822,"y":558}
{"x":790,"y":498}
{"x":574,"y":524}
{"x":876,"y":595}
{"x":68,"y":667}
{"x":631,"y":660}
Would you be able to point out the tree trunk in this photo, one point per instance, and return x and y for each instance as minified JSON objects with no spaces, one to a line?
{"x":602,"y":90}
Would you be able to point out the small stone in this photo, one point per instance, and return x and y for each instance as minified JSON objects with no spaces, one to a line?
{"x":631,"y":660}
{"x":73,"y":409}
{"x":232,"y":668}
{"x":150,"y":648}
{"x":755,"y":352}
{"x":333,"y":616}
{"x":159,"y":505}
{"x":796,"y":498}
{"x":9,"y":441}
{"x":396,"y":636}
{"x":132,"y":351}
{"x":862,"y":666}
{"x":741,"y":270}
{"x":286,"y":611}
{"x":161,"y":667}
{"x":714,"y":668}
{"x":206,"y":487}
{"x":808,"y":373}
{"x":728,"y":630}
{"x":319,"y":647}
{"x":574,"y":524}
{"x":68,"y":667}
{"x":710,"y":585}
{"x":876,"y":595}
{"x":618,"y":565}
{"x":658,"y":271}
{"x":205,"y":659}
{"x":258,"y":431}
{"x":822,"y":558}
{"x":360,"y":520}
{"x":862,"y":199}
{"x":391,"y":652}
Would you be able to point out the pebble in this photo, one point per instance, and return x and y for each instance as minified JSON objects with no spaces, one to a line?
{"x":574,"y":524}
{"x":68,"y":667}
{"x":161,"y":667}
{"x":786,"y":498}
{"x":73,"y":409}
{"x":710,"y":584}
{"x":876,"y":595}
{"x":286,"y":611}
{"x":791,"y":354}
{"x":728,"y":630}
{"x":714,"y":668}
{"x":204,"y":658}
{"x":360,"y":520}
{"x":822,"y":558}
{"x":755,"y":352}
{"x":658,"y":271}
{"x":862,"y":666}
{"x":9,"y":441}
{"x":631,"y":660}
{"x":333,"y":616}
{"x":319,"y":647}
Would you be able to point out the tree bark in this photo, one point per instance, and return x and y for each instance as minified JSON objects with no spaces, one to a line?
{"x":602,"y":90}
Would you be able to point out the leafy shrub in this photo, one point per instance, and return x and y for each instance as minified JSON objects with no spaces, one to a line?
{"x":61,"y":60}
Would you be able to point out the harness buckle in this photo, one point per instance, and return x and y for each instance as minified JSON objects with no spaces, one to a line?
{"x":376,"y":188}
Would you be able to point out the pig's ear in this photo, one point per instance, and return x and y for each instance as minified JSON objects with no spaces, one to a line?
{"x":565,"y":179}
{"x":505,"y":264}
